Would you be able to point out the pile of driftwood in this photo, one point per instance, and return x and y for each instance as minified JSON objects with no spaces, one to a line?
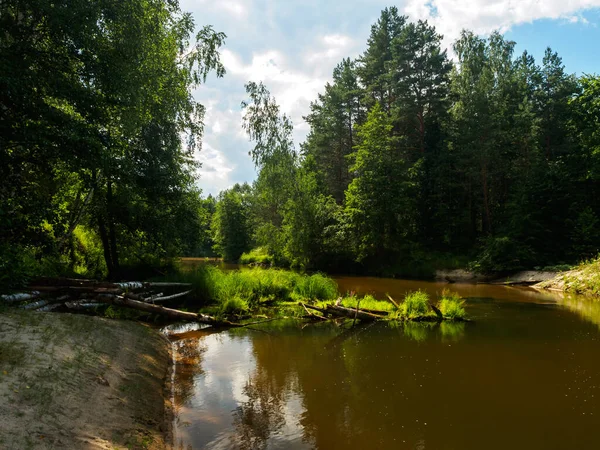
{"x":76,"y":295}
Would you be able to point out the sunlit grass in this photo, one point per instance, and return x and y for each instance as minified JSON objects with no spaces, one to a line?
{"x":416,"y":304}
{"x":451,"y":305}
{"x":584,"y":279}
{"x":239,"y":291}
{"x":368,"y":302}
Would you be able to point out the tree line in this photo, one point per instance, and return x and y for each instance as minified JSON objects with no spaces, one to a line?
{"x":415,"y":160}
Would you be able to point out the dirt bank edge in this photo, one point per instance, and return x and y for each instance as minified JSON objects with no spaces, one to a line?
{"x":79,"y":382}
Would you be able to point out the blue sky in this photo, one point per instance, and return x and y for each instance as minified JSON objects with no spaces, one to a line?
{"x":293,"y":46}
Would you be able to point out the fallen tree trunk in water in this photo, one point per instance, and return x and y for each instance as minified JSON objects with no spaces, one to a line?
{"x":352,"y":313}
{"x":174,"y":314}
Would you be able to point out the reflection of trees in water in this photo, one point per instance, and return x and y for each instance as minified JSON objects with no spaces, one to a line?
{"x":188,"y":349}
{"x":188,"y":355}
{"x":267,"y":389}
{"x":294,"y":361}
{"x":262,"y":414}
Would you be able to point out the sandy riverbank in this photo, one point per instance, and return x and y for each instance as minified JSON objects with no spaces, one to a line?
{"x":78,"y":382}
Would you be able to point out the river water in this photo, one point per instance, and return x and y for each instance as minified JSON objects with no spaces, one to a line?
{"x":524,"y":375}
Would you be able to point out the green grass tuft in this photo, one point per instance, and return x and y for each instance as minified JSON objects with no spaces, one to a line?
{"x":416,"y":304}
{"x":368,"y":302}
{"x":452,"y":305}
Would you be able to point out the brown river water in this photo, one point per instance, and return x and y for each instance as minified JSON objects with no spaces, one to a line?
{"x":524,"y":375}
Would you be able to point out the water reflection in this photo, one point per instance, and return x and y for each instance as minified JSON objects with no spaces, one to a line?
{"x":525,"y":375}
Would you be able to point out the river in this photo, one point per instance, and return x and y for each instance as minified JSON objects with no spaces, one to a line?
{"x":524,"y":375}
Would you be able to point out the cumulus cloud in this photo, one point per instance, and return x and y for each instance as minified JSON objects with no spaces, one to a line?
{"x":215,"y":170}
{"x":485,"y":16}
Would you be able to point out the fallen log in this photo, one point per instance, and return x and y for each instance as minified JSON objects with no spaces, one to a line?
{"x":352,"y":313}
{"x":166,"y":284}
{"x":167,"y":312}
{"x":13,"y":298}
{"x":35,"y":305}
{"x":377,"y":312}
{"x":321,"y":310}
{"x":312,"y":315}
{"x":392,"y":301}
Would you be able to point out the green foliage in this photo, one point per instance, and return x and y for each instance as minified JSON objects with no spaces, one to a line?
{"x":258,"y":255}
{"x":451,"y":305}
{"x":86,"y":256}
{"x":380,"y":199}
{"x":416,"y":304}
{"x":503,"y":253}
{"x":231,"y":223}
{"x":97,"y":102}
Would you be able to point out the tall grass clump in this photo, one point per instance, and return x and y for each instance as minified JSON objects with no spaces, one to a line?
{"x":315,"y":287}
{"x":258,"y":255}
{"x":257,"y":286}
{"x":238,"y":291}
{"x":416,"y":304}
{"x":451,"y":305}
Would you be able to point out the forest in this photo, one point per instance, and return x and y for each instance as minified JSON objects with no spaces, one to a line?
{"x":417,"y":158}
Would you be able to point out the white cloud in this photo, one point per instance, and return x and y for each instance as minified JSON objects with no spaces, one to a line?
{"x":485,"y":16}
{"x":293,"y":89}
{"x":238,"y":8}
{"x":215,"y":169}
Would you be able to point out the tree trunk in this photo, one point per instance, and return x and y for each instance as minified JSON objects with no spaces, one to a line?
{"x":111,"y":227}
{"x":167,"y":312}
{"x":105,"y":246}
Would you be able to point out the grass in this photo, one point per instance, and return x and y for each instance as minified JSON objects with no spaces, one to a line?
{"x":452,"y":305}
{"x":240,"y":291}
{"x":584,"y":279}
{"x":416,"y":304}
{"x":258,"y":255}
{"x":250,"y":290}
{"x":368,"y":302}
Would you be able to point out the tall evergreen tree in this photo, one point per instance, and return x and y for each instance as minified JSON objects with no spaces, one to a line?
{"x":332,"y":136}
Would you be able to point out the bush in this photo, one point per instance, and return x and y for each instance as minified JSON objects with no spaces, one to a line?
{"x":415,"y":304}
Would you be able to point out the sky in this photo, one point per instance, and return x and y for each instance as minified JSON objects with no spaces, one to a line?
{"x":293,"y":45}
